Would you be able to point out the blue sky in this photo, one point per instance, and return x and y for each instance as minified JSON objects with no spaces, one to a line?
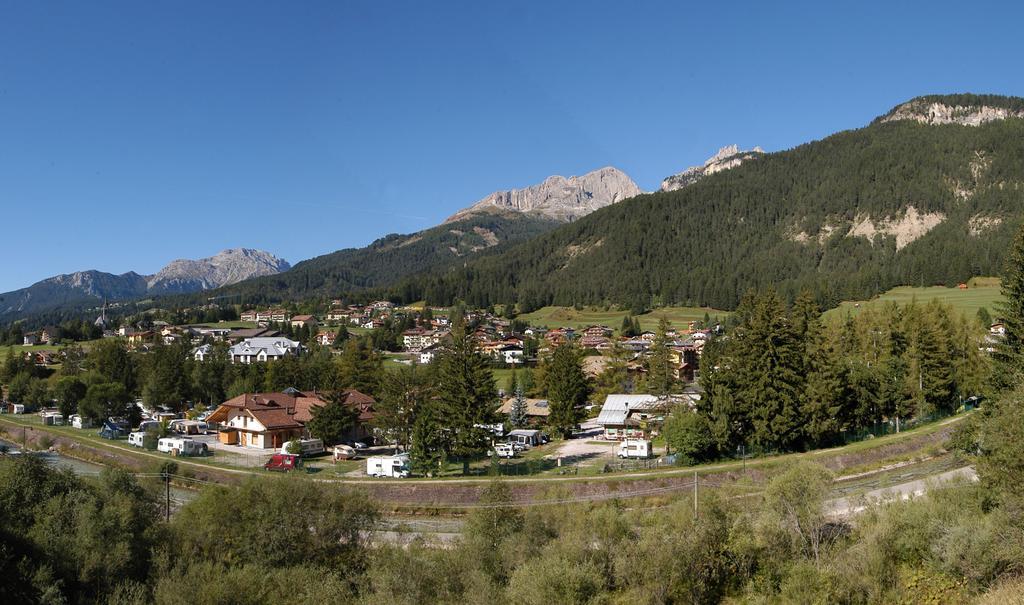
{"x":134,"y":133}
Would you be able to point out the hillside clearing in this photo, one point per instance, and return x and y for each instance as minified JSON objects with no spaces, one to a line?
{"x":553,"y":317}
{"x":980,"y":292}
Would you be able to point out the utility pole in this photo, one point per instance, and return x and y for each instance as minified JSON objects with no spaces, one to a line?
{"x":167,"y":507}
{"x":695,"y":495}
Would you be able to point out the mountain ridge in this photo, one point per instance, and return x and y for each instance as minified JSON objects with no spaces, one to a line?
{"x":182,"y":275}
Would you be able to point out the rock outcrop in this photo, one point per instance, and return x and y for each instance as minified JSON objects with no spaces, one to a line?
{"x":227,"y":267}
{"x":935,"y":112}
{"x":727,"y":157}
{"x":558,"y":197}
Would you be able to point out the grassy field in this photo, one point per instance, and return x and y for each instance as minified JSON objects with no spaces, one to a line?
{"x":554,"y":317}
{"x":35,"y":348}
{"x":980,"y":292}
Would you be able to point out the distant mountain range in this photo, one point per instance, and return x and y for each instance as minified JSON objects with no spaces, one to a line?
{"x":180,"y":276}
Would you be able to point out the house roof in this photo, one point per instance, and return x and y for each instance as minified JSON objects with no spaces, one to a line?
{"x":303,"y":318}
{"x":616,"y":408}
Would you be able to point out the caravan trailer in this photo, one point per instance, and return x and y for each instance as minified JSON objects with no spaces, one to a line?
{"x":136,"y":438}
{"x":181,"y":447}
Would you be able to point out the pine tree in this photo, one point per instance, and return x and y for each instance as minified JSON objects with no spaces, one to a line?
{"x":517,"y":415}
{"x":661,"y":378}
{"x":771,"y":360}
{"x":567,"y":388}
{"x":465,"y":396}
{"x":1009,"y":354}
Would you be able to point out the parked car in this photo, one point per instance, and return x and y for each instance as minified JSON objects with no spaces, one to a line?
{"x":359,"y":445}
{"x":283,"y":462}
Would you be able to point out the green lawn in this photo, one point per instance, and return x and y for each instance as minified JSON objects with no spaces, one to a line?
{"x":554,"y":317}
{"x":981,"y":292}
{"x":34,"y":348}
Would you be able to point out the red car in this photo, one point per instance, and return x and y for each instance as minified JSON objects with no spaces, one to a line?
{"x":283,"y":462}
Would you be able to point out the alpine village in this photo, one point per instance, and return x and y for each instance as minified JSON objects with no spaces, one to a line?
{"x":788,"y":376}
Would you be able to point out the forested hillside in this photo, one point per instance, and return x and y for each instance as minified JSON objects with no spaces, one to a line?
{"x":847,"y":217}
{"x":391,"y":258}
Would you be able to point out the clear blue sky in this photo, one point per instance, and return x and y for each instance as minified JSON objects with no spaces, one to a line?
{"x":133,"y":133}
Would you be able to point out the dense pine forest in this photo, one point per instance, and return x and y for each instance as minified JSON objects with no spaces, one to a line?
{"x":782,"y":220}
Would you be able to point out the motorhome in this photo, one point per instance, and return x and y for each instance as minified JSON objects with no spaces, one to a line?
{"x":635,"y":448}
{"x":181,"y":447}
{"x":136,"y":438}
{"x":80,"y":422}
{"x":388,"y":466}
{"x":310,"y":447}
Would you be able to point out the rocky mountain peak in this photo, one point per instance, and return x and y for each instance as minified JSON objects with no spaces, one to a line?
{"x":727,"y":157}
{"x":227,"y":267}
{"x":558,"y":197}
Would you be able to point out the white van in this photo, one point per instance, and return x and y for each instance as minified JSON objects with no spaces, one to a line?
{"x":136,"y":438}
{"x":310,"y":447}
{"x":388,"y":466}
{"x":635,"y":448}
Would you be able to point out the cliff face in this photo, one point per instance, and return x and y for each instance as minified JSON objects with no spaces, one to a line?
{"x":937,"y":112}
{"x":727,"y":157}
{"x":227,"y":267}
{"x":558,"y":197}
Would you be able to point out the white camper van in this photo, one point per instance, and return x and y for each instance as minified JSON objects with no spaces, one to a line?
{"x":136,"y":438}
{"x":635,"y":448}
{"x":388,"y":466}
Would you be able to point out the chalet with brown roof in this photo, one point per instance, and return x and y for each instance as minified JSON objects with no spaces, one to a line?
{"x":268,"y":420}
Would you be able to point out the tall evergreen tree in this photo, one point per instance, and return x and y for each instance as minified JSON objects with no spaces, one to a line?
{"x":465,"y":396}
{"x":567,"y":388}
{"x":661,"y":378}
{"x":517,"y":415}
{"x":1009,"y":354}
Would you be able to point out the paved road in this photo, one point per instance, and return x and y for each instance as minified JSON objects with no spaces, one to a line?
{"x":844,"y":507}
